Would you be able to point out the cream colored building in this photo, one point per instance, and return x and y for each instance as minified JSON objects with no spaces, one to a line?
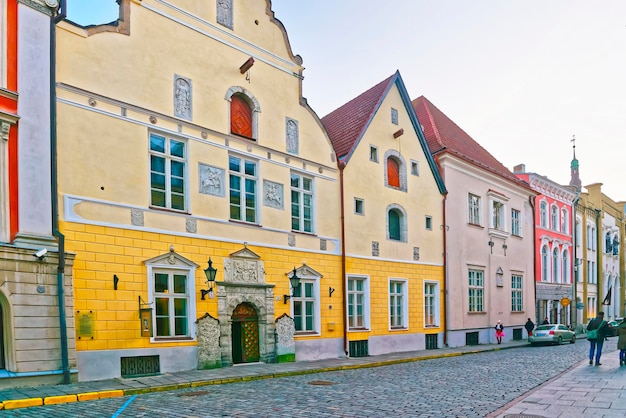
{"x":393,"y":210}
{"x":184,"y":138}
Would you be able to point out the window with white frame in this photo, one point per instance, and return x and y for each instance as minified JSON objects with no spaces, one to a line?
{"x":555,"y":265}
{"x":578,"y":232}
{"x":473,"y":203}
{"x":358,"y":303}
{"x":305,"y":305}
{"x":359,"y":206}
{"x":517,"y":294}
{"x":564,"y":221}
{"x":431,"y":304}
{"x":545,"y":264}
{"x":498,"y":215}
{"x":589,"y":238}
{"x":476,"y":281}
{"x":516,"y":225}
{"x":243,"y":183}
{"x":167,"y":172}
{"x":565,"y":268}
{"x":172,"y":315}
{"x":301,"y":203}
{"x":591,"y":307}
{"x":578,"y":270}
{"x":554,"y":218}
{"x":543,"y":214}
{"x":398,"y":308}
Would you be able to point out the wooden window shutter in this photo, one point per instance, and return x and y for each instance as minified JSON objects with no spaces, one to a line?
{"x":393,"y":173}
{"x":394,"y":225}
{"x":240,"y":117}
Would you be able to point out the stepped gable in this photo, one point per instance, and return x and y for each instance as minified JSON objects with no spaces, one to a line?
{"x":347,"y":124}
{"x":443,"y":135}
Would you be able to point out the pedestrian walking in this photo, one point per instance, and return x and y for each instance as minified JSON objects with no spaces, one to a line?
{"x":621,"y":342}
{"x":545,"y":321}
{"x":499,"y":331}
{"x":597,"y":330}
{"x":530,"y":326}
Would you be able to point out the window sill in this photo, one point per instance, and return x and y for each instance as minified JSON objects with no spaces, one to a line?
{"x":307,"y":334}
{"x":358,"y":330}
{"x":475,"y":225}
{"x":398,"y":329}
{"x":162,"y":209}
{"x":295,"y":231}
{"x":476,"y":313}
{"x":237,"y":221}
{"x":171,"y":339}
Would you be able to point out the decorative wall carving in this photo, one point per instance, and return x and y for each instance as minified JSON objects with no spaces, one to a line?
{"x":136,"y":217}
{"x":273,"y":194}
{"x":209,"y":351}
{"x":293,"y":135}
{"x":375,"y":249}
{"x":285,"y":342}
{"x":212,"y":180}
{"x":182,"y":97}
{"x":225,"y":13}
{"x":191,"y":225}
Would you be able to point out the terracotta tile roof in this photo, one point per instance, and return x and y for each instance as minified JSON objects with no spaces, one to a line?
{"x":443,"y":135}
{"x":347,"y":124}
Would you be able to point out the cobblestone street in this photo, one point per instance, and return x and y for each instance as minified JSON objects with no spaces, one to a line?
{"x":465,"y":386}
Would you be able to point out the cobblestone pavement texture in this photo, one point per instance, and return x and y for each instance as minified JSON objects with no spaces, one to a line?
{"x":502,"y":383}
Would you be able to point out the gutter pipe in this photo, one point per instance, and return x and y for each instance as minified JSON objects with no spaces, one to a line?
{"x":341,"y":166}
{"x":60,"y":15}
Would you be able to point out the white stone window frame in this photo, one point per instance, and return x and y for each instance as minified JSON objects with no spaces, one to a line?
{"x":399,"y":159}
{"x":474,"y":209}
{"x":302,"y":191}
{"x":564,"y":220}
{"x":315,"y":280}
{"x":257,"y":191}
{"x":516,"y":222}
{"x":545,"y":260}
{"x":554,"y":218}
{"x":405,"y":303}
{"x":436,"y":303}
{"x":366,"y":302}
{"x":498,"y":219}
{"x":374,"y":153}
{"x":173,"y":265}
{"x":428,"y":220}
{"x":415,"y":168}
{"x":517,"y":291}
{"x":168,"y":159}
{"x":543,"y":214}
{"x":566,"y":273}
{"x":359,"y":202}
{"x":555,"y":261}
{"x":404,"y":235}
{"x":255,"y":107}
{"x":474,"y":307}
{"x":5,"y":211}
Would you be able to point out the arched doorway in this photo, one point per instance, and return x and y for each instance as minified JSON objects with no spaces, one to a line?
{"x":245,"y":334}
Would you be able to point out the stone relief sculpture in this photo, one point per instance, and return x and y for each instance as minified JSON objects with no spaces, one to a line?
{"x":292,"y":136}
{"x":273,"y":194}
{"x":182,"y":97}
{"x":245,"y":271}
{"x":225,"y":13}
{"x":211,"y":180}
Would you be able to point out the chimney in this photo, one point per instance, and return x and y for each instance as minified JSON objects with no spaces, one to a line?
{"x":519,"y":169}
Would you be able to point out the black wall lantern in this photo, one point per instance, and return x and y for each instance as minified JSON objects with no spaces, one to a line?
{"x":294,"y":281}
{"x":210,"y":274}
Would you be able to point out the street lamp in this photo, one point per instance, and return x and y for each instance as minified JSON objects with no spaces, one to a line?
{"x":294,"y":281}
{"x":210,"y":273}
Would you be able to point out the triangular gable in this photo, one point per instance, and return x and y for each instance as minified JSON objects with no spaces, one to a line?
{"x":245,"y":253}
{"x":347,"y":125}
{"x":443,"y":135}
{"x":304,"y":270}
{"x":171,"y":259}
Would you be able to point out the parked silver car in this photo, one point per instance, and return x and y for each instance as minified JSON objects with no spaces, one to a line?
{"x":552,"y":334}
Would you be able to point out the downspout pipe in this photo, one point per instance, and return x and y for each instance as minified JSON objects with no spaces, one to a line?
{"x":60,"y":15}
{"x":445,"y":261}
{"x":531,"y":202}
{"x":574,"y":275}
{"x":344,"y":289}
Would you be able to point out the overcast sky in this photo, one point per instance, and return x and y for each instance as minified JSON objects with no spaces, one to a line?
{"x":520,"y":77}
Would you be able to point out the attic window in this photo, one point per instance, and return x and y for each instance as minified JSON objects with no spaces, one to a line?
{"x":373,"y":153}
{"x":394,"y":116}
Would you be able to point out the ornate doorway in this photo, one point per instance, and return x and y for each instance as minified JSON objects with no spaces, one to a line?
{"x":245,"y":332}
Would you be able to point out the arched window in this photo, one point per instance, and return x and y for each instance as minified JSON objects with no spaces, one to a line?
{"x":240,"y":116}
{"x":565,"y":268}
{"x":554,"y":218}
{"x":544,"y":263}
{"x":543,"y":214}
{"x":555,"y":265}
{"x":396,"y":223}
{"x":393,"y":172}
{"x":564,"y":221}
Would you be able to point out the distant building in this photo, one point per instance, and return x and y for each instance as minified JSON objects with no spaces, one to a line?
{"x":554,"y":251}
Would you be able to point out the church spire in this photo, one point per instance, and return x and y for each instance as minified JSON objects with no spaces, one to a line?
{"x":575,"y":178}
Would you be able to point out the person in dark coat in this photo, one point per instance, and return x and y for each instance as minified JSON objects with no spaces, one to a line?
{"x":595,"y":344}
{"x":530,"y":326}
{"x":499,"y":331}
{"x":545,"y":321}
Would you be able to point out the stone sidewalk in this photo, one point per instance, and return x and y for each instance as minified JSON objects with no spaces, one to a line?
{"x":582,"y":391}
